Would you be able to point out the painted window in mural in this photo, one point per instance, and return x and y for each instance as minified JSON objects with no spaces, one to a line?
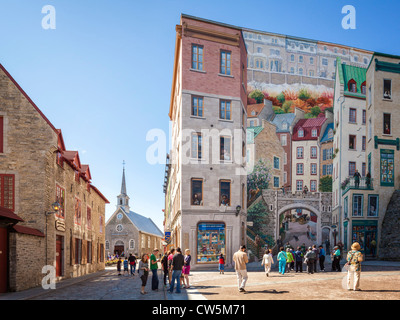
{"x":210,"y":242}
{"x":197,"y":192}
{"x":373,"y":205}
{"x":387,"y":167}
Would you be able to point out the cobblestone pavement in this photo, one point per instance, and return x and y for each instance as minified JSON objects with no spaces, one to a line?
{"x":379,"y":281}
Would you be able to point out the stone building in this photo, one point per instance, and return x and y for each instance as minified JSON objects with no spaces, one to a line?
{"x":128,"y":232}
{"x":207,"y":181}
{"x":36,"y":170}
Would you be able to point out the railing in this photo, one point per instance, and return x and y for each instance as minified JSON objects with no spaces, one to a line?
{"x":351,"y":183}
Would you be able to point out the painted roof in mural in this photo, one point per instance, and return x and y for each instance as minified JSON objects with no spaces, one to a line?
{"x":348,"y":72}
{"x":308,"y":125}
{"x":325,"y":136}
{"x":253,"y":132}
{"x":143,"y":223}
{"x":281,"y":119}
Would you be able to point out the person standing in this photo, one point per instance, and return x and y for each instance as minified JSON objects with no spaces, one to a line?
{"x":186,"y":268}
{"x":240,"y":258}
{"x":170,"y":257}
{"x":126,"y":263}
{"x":221,"y":264}
{"x":289,"y":259}
{"x":316,"y":251}
{"x":309,"y":259}
{"x":321,"y":258}
{"x":119,"y":263}
{"x":132,"y":263}
{"x":282,"y":260}
{"x":176,"y":266}
{"x":299,"y":259}
{"x":154,"y":270}
{"x":164,"y":266}
{"x":354,"y":259}
{"x":357,"y":177}
{"x":143,"y":271}
{"x":267,"y":261}
{"x":336,"y":258}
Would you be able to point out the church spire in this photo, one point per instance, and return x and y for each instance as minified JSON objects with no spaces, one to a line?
{"x":123,"y":199}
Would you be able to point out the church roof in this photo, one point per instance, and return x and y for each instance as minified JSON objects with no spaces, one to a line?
{"x":143,"y":223}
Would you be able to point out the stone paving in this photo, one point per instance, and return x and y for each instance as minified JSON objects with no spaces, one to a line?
{"x":379,"y":281}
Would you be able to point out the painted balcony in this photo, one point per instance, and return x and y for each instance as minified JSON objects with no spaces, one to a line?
{"x":350,"y":183}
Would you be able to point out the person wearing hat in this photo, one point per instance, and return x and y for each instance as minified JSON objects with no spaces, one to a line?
{"x":354,"y":259}
{"x":309,"y":259}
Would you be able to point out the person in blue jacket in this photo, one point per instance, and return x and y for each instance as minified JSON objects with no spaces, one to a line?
{"x":321,"y":258}
{"x":282,"y":257}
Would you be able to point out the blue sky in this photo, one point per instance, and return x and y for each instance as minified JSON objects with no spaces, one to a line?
{"x":103,"y":76}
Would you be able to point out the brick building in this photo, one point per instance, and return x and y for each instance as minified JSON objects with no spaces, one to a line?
{"x":36,"y":170}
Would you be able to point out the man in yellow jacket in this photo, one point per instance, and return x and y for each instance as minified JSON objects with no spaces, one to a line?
{"x":240,"y":258}
{"x":289,"y":259}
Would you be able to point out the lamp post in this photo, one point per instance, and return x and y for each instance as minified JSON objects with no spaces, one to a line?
{"x":56,"y":207}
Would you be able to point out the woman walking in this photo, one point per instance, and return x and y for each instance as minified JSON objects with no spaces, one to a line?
{"x":144,"y":271}
{"x":354,"y":259}
{"x":282,"y":260}
{"x":186,"y":268}
{"x":267,"y":261}
{"x":289,"y":259}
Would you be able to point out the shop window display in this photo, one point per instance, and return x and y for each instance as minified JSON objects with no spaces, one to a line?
{"x":210,"y":242}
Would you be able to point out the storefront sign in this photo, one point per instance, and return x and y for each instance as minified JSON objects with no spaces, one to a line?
{"x":60,"y":225}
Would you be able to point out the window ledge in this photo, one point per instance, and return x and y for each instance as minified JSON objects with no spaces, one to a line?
{"x":226,"y":120}
{"x":226,"y":75}
{"x":387,"y":99}
{"x":196,"y":70}
{"x":198,"y":117}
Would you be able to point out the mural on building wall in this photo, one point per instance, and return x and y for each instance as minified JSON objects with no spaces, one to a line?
{"x":299,"y":228}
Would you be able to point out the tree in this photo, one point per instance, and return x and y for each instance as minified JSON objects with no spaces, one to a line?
{"x":304,"y":94}
{"x":315,"y":111}
{"x":257,"y":95}
{"x":260,"y":177}
{"x":281,"y":97}
{"x":325,"y":184}
{"x":286,"y":107}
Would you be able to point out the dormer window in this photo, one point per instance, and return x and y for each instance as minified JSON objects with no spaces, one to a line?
{"x":313,"y":133}
{"x":253,"y":113}
{"x":352,"y":86}
{"x":284,"y":125}
{"x":301,"y":133}
{"x":364,"y":88}
{"x":330,"y":134}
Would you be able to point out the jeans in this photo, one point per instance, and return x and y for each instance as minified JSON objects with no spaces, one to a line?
{"x":299,"y":266}
{"x":133,"y":268}
{"x":321,"y":263}
{"x":154,"y":279}
{"x":176,"y":275}
{"x":282,"y":265}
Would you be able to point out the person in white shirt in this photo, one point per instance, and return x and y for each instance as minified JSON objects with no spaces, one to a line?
{"x":267,"y":261}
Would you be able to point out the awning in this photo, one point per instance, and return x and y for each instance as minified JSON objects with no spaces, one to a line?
{"x":28,"y":230}
{"x":7,"y":214}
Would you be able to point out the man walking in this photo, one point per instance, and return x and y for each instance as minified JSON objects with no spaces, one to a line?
{"x":132,"y":263}
{"x":321,"y":258}
{"x":154,"y":269}
{"x":177,"y":264}
{"x":240,"y":259}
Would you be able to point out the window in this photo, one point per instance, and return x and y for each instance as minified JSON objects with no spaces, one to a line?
{"x":89,"y":252}
{"x":299,"y":168}
{"x":251,"y":123}
{"x":311,"y":60}
{"x":276,"y":65}
{"x":373,"y":205}
{"x":285,"y":158}
{"x":131,"y":244}
{"x":259,"y":49}
{"x":101,"y":224}
{"x":107,"y":245}
{"x":78,"y":216}
{"x":7,"y":191}
{"x":197,"y":192}
{"x":291,"y":70}
{"x":364,"y":116}
{"x":313,"y":168}
{"x":59,"y":160}
{"x":357,"y":205}
{"x":330,"y":134}
{"x":352,"y":168}
{"x":283,"y":139}
{"x":352,"y":115}
{"x":300,"y":58}
{"x":60,"y":198}
{"x":196,"y":145}
{"x":197,"y":57}
{"x":363,"y":88}
{"x":225,"y":109}
{"x":346,"y":207}
{"x":284,"y":125}
{"x":364,"y":143}
{"x":292,"y":58}
{"x":387,"y":128}
{"x":119,"y":228}
{"x":352,"y":142}
{"x":89,"y":218}
{"x":285,"y":177}
{"x":225,"y":148}
{"x":197,"y":106}
{"x":225,"y":62}
{"x":78,"y":251}
{"x":324,"y":61}
{"x":313,"y":185}
{"x":313,"y":152}
{"x":363,"y":169}
{"x":301,"y":71}
{"x":352,"y":86}
{"x":387,"y":89}
{"x":369,"y":95}
{"x":300,"y":152}
{"x":311,"y":73}
{"x":300,"y":133}
{"x":387,"y":168}
{"x":276,"y":163}
{"x":299,"y":185}
{"x":276,"y":182}
{"x":225,"y":192}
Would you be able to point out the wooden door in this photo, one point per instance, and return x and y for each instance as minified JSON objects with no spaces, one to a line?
{"x":59,"y":255}
{"x":3,"y":259}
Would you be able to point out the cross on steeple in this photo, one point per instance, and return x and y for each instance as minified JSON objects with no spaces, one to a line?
{"x":123,"y":199}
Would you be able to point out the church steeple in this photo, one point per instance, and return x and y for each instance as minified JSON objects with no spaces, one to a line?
{"x":123,"y":199}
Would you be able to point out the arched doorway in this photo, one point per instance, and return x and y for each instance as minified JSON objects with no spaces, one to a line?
{"x":299,"y":225}
{"x":119,"y":248}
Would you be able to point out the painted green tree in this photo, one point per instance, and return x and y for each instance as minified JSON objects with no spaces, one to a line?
{"x":325,"y":184}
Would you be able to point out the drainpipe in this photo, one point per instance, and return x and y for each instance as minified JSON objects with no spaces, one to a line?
{"x":341,"y":100}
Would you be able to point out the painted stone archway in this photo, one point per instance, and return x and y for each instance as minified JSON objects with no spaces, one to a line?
{"x":301,"y":226}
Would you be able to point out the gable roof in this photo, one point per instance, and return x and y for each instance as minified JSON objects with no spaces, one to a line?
{"x":143,"y":223}
{"x":280,"y":119}
{"x":325,"y":136}
{"x":308,"y":125}
{"x":253,"y":132}
{"x":254,"y":108}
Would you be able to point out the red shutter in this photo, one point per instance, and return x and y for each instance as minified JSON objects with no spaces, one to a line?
{"x":1,"y":135}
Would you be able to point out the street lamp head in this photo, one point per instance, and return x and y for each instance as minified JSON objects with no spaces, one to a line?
{"x":56,"y":207}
